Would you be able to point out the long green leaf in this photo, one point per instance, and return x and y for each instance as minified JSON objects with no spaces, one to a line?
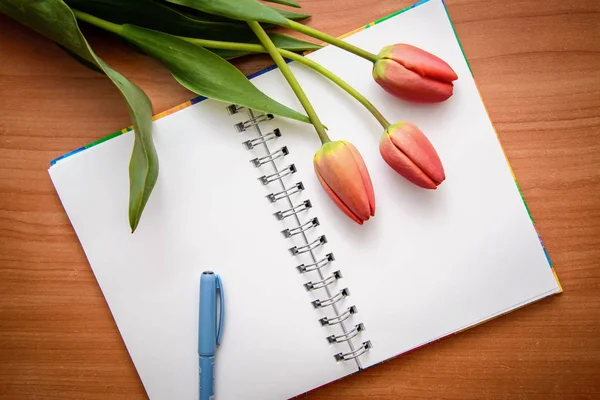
{"x":290,"y":3}
{"x":204,"y":72}
{"x":55,"y":20}
{"x":288,"y":42}
{"x":200,"y":15}
{"x":244,"y":10}
{"x":294,"y":16}
{"x":159,"y":17}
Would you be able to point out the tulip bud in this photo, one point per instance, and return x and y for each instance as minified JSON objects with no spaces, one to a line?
{"x":413,"y":74}
{"x":344,"y":176}
{"x":408,"y":151}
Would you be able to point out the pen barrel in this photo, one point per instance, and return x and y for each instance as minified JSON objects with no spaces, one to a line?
{"x":207,"y":378}
{"x":207,"y":318}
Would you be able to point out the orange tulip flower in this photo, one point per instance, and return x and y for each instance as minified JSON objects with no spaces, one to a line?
{"x":413,"y":74}
{"x":344,"y":176}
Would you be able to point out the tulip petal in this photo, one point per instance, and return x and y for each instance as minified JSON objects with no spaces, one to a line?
{"x":366,"y":178}
{"x":338,"y":168}
{"x":337,"y":200}
{"x":403,"y":165}
{"x":409,"y":140}
{"x":421,"y":62}
{"x":409,"y":85}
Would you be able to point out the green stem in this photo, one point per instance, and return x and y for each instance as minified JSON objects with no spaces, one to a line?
{"x":331,"y":40}
{"x":338,"y":81}
{"x":289,"y":76}
{"x":100,"y":23}
{"x":216,"y":44}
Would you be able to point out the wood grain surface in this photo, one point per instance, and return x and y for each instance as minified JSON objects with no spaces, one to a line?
{"x":537,"y":64}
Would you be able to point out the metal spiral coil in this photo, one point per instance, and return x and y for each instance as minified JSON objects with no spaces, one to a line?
{"x":321,"y":240}
{"x":358,"y":328}
{"x":250,"y":144}
{"x":356,"y":353}
{"x":302,"y":228}
{"x":325,"y":261}
{"x":242,"y":126}
{"x":323,"y":282}
{"x":294,"y":211}
{"x":266,"y":179}
{"x":305,"y":205}
{"x":282,"y":152}
{"x":340,"y":317}
{"x":286,"y":193}
{"x":331,"y":300}
{"x":234,"y":108}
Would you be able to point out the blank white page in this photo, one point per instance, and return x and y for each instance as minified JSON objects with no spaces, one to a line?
{"x":208,"y":211}
{"x":430,"y":262}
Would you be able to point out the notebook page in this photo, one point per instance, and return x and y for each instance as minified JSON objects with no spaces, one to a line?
{"x":208,"y":212}
{"x":431,"y":262}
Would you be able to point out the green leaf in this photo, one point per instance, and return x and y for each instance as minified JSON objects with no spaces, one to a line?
{"x":204,"y":72}
{"x":157,"y":16}
{"x":290,"y":3}
{"x":291,"y":43}
{"x":244,"y":10}
{"x":231,"y":54}
{"x":196,"y":14}
{"x":203,"y":16}
{"x":294,"y":16}
{"x":55,"y":20}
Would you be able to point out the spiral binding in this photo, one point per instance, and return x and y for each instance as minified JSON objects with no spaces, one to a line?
{"x":323,"y":282}
{"x":294,"y":211}
{"x":250,"y":144}
{"x":321,"y":240}
{"x":305,"y":205}
{"x":242,"y":126}
{"x":355,"y":353}
{"x":340,"y":317}
{"x":297,"y":188}
{"x":347,"y":336}
{"x":271,"y":157}
{"x":302,"y":228}
{"x":316,"y":265}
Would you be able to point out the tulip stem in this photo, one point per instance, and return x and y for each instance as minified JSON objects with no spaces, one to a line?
{"x":289,"y":76}
{"x":340,"y":82}
{"x":331,"y":40}
{"x":100,"y":23}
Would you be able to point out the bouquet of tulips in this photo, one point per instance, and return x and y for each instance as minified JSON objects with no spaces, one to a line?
{"x":195,"y":39}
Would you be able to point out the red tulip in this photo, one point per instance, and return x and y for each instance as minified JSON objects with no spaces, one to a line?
{"x":408,"y":151}
{"x":344,"y":176}
{"x":413,"y":74}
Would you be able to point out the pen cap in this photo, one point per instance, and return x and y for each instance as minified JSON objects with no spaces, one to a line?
{"x":207,"y":319}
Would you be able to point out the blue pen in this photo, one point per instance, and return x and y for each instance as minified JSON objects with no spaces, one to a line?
{"x":209,"y":332}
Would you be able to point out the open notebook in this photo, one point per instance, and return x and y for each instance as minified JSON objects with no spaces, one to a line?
{"x":431,"y":263}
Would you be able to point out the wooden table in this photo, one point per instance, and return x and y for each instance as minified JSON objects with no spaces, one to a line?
{"x":537,"y":64}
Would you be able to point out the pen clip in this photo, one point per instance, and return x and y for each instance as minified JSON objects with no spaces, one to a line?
{"x":221,"y":295}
